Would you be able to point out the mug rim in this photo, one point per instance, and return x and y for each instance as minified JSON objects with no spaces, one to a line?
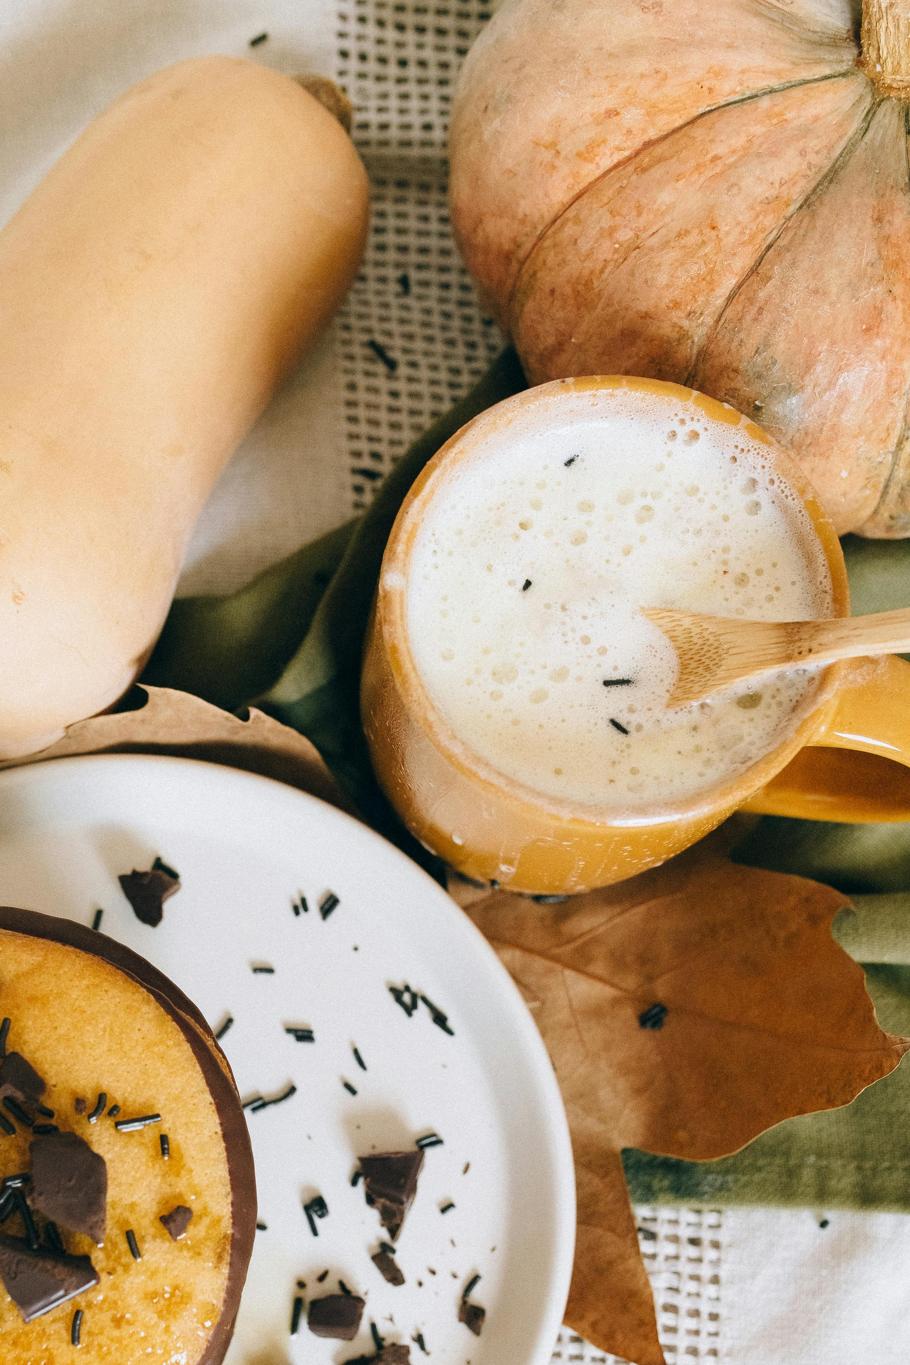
{"x":391,"y":609}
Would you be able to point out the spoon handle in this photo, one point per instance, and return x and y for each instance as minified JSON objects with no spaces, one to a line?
{"x":850,"y":637}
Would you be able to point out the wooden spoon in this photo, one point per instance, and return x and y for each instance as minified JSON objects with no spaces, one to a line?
{"x":718,"y":651}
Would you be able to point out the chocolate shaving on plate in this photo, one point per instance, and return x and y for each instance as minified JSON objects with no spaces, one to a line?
{"x":395,"y":1354}
{"x":472,"y":1315}
{"x":147,"y":891}
{"x":388,"y":1267}
{"x":69,"y":1183}
{"x":39,"y":1280}
{"x":390,"y":1184}
{"x":337,"y":1316}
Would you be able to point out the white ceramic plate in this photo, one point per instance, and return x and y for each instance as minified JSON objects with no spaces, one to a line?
{"x":245,"y":847}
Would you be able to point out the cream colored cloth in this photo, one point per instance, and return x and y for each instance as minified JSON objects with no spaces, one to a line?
{"x":747,"y":1287}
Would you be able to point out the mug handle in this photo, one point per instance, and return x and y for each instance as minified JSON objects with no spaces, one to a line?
{"x":857,"y":768}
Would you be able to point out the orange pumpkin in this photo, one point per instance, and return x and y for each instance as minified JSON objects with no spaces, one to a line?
{"x":709,"y":191}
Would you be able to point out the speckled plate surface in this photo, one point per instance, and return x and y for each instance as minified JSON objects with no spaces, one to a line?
{"x":495,"y":1199}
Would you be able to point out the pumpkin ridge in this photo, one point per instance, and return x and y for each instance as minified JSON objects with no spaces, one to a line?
{"x":654,"y":142}
{"x":897,"y":474}
{"x":840,"y":159}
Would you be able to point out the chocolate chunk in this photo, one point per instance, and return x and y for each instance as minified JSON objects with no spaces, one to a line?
{"x":69,"y":1183}
{"x":19,"y":1080}
{"x":177,"y":1221}
{"x":390,"y":1183}
{"x":147,"y":891}
{"x":388,"y":1267}
{"x":38,"y":1281}
{"x":336,"y":1316}
{"x":472,"y":1315}
{"x":389,"y":1355}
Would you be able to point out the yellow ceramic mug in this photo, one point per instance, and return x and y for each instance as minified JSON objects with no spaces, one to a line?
{"x":491,"y":828}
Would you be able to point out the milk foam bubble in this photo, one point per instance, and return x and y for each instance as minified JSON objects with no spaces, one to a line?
{"x":529,"y":570}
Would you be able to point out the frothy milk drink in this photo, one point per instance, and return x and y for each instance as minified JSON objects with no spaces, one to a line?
{"x":527,"y":578}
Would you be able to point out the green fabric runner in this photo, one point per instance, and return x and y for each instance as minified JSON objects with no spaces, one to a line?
{"x":290,"y":641}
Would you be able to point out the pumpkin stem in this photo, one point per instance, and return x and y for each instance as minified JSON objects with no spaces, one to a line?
{"x":885,"y":42}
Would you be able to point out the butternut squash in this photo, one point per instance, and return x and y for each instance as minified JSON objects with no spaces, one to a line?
{"x":713,"y":192}
{"x":154,"y":290}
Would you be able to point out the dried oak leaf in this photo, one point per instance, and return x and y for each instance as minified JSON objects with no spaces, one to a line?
{"x":686,"y":1012}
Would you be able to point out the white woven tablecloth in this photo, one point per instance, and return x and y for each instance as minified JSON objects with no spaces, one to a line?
{"x":748,"y":1287}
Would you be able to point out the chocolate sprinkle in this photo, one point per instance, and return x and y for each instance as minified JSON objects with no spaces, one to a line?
{"x":382,"y":354}
{"x":418,"y":1339}
{"x":223,"y":1027}
{"x":351,"y":1089}
{"x":113,"y":1111}
{"x":337,"y":1316}
{"x":260,"y":38}
{"x":69,"y":1183}
{"x":133,"y":1125}
{"x":296,"y":1314}
{"x":472,"y":1315}
{"x":164,"y":1143}
{"x":406,"y":997}
{"x":328,"y":904}
{"x":315,"y":1208}
{"x":446,"y":1207}
{"x":525,"y":585}
{"x":100,"y":1106}
{"x":262,"y":968}
{"x":76,"y":1328}
{"x":653,"y":1017}
{"x":429,"y":1140}
{"x":390,"y":1184}
{"x":18,"y":1112}
{"x":4,"y":1034}
{"x":38,"y":1280}
{"x":301,"y":1035}
{"x":618,"y":725}
{"x":97,"y":918}
{"x":358,"y":1059}
{"x":469,"y":1288}
{"x":388,"y":1267}
{"x":177,"y":1221}
{"x":618,"y":682}
{"x":133,"y":1245}
{"x":6,"y":1126}
{"x":147,"y":891}
{"x":377,"y":1339}
{"x":440,"y":1019}
{"x":259,"y":1102}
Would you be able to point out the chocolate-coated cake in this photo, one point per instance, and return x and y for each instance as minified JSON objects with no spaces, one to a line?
{"x":127,"y":1192}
